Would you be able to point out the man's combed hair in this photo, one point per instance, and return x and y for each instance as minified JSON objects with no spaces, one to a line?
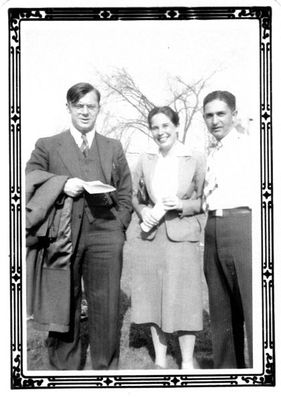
{"x":79,"y":90}
{"x":166,"y":110}
{"x":222,"y":95}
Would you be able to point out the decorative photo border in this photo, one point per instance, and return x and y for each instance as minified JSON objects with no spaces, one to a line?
{"x":18,"y":379}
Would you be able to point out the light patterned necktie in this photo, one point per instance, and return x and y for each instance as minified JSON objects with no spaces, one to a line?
{"x":85,"y":145}
{"x":210,"y":181}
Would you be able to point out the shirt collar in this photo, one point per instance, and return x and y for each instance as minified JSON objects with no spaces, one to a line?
{"x":77,"y":135}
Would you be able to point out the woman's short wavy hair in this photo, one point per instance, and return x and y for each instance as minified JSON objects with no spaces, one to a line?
{"x":166,"y":110}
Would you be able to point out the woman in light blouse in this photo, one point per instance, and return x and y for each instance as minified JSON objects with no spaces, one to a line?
{"x":166,"y":281}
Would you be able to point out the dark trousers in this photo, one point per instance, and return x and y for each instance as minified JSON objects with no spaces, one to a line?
{"x":98,"y":259}
{"x":228,"y":271}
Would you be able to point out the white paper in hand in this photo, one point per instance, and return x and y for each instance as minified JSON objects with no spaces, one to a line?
{"x":96,"y":187}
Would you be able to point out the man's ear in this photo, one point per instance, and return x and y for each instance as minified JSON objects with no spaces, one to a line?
{"x":67,"y":107}
{"x":234,"y":116}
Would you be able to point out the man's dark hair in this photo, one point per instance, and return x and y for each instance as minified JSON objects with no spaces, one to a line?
{"x":222,"y":95}
{"x":79,"y":90}
{"x":171,"y":114}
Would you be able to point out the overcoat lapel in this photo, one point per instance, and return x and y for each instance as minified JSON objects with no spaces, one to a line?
{"x":67,"y":149}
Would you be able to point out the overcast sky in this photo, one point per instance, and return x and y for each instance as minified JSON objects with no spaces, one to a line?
{"x":55,"y":55}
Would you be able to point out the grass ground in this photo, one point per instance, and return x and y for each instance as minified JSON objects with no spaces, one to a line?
{"x":136,"y":350}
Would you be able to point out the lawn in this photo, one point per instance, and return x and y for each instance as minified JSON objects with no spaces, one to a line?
{"x":136,"y":350}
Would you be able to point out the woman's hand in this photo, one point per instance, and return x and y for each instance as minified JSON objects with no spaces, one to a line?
{"x":147,"y":217}
{"x":172,"y":203}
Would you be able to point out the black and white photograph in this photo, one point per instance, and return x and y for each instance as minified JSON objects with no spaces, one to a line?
{"x":141,"y":213}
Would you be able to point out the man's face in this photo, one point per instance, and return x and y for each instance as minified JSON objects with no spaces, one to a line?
{"x":84,"y":113}
{"x":219,"y":118}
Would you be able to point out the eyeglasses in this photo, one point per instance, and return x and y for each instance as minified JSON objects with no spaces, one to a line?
{"x":80,"y":107}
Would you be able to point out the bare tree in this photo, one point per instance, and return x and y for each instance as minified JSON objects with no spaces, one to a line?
{"x":185,"y":99}
{"x":121,"y":87}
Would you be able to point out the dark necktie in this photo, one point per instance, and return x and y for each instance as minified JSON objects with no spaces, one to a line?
{"x":85,"y":145}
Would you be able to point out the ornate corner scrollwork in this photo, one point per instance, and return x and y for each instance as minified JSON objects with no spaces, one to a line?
{"x":261,"y":13}
{"x":14,"y":27}
{"x":19,"y":381}
{"x":268,"y":379}
{"x":252,"y":12}
{"x":15,"y":17}
{"x":266,"y":22}
{"x":270,"y":366}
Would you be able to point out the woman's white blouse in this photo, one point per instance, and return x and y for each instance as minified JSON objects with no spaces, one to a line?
{"x":165,"y":178}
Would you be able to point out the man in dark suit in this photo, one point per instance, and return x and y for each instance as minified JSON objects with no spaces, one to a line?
{"x":98,"y":228}
{"x":228,"y":201}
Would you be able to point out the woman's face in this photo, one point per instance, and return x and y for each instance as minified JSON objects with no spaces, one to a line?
{"x":164,"y":132}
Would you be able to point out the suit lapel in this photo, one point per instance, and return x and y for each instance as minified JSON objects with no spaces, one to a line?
{"x":149,"y":168}
{"x":67,"y":149}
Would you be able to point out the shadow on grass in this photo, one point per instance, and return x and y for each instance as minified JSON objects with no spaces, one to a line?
{"x":136,"y":347}
{"x":140,"y":337}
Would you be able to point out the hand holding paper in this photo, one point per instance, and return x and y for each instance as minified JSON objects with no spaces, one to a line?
{"x":73,"y":187}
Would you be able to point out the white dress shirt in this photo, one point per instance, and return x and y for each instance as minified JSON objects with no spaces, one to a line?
{"x":77,"y":135}
{"x":231,"y":164}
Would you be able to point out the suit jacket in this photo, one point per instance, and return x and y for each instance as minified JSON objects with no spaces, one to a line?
{"x":185,"y":226}
{"x":58,"y":155}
